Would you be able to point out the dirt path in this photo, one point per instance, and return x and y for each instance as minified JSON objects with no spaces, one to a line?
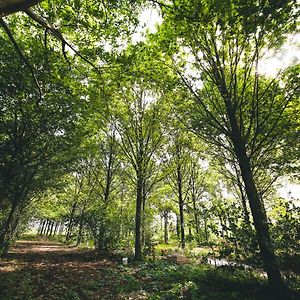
{"x":47,"y":270}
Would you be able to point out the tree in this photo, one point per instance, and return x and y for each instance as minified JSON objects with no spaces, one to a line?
{"x":141,"y":137}
{"x":178,"y":154}
{"x":197,"y":190}
{"x":32,"y":130}
{"x":235,"y":108}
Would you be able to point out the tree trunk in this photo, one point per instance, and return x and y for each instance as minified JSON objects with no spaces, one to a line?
{"x":178,"y":227}
{"x":41,"y":227}
{"x":259,"y":217}
{"x":138,"y":212}
{"x":70,"y":225}
{"x":143,"y":228}
{"x":181,"y":213}
{"x":79,"y":236}
{"x":196,"y":220}
{"x":166,"y":227}
{"x":45,"y":227}
{"x":205,"y":230}
{"x":4,"y":240}
{"x":262,"y":231}
{"x":51,"y":228}
{"x":48,"y":227}
{"x":244,"y":203}
{"x":182,"y":233}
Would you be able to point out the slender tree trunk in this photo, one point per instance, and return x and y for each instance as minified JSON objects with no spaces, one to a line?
{"x":178,"y":227}
{"x":45,"y":227}
{"x":70,"y":225}
{"x":223,"y":226}
{"x":48,"y":227}
{"x":51,"y":228}
{"x":79,"y":236}
{"x":109,"y":176}
{"x":205,"y":230}
{"x":181,"y":212}
{"x":244,"y":203}
{"x":138,"y":212}
{"x":166,"y":227}
{"x":196,"y":220}
{"x":41,"y":227}
{"x":143,"y":228}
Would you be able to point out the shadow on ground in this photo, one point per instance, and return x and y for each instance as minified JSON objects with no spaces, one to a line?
{"x":46,"y":270}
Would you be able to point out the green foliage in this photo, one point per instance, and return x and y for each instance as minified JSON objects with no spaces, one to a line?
{"x":286,"y":228}
{"x":85,"y":136}
{"x":39,"y":132}
{"x":104,"y":228}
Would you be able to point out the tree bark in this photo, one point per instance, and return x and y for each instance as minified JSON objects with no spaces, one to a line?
{"x":138,"y":213}
{"x":4,"y":240}
{"x":244,"y":203}
{"x":181,"y":213}
{"x":45,"y":227}
{"x":51,"y":228}
{"x":70,"y":225}
{"x":178,"y":227}
{"x":42,"y":225}
{"x":79,"y":236}
{"x":48,"y":227}
{"x":259,"y":217}
{"x":196,"y":220}
{"x":205,"y":230}
{"x":166,"y":227}
{"x":8,"y":7}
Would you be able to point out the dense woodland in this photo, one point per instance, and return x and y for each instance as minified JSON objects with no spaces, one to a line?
{"x":165,"y":143}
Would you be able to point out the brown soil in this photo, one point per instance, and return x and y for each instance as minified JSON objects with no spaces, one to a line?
{"x":48,"y":270}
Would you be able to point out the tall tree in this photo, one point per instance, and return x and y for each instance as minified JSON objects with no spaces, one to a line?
{"x":139,"y":130}
{"x":178,"y":162}
{"x":33,"y":129}
{"x":235,"y":107}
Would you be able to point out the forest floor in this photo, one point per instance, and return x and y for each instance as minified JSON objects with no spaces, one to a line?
{"x":48,"y":270}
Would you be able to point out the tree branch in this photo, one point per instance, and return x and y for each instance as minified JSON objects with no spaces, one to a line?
{"x":21,"y":55}
{"x":58,"y":35}
{"x":8,"y":7}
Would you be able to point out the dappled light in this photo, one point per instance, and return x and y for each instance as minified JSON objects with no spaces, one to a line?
{"x":149,"y":150}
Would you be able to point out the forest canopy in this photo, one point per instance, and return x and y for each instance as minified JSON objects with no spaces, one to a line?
{"x":175,"y":138}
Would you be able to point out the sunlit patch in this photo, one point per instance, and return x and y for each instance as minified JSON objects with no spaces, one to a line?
{"x":10,"y":266}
